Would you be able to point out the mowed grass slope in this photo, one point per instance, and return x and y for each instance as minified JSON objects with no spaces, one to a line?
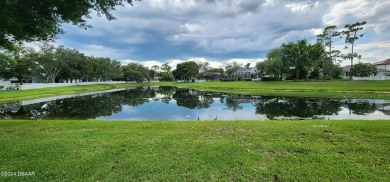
{"x":335,"y":85}
{"x":336,"y":88}
{"x":196,"y":151}
{"x":54,"y":91}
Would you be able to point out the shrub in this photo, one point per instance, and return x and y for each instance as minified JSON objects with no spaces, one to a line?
{"x":247,"y":79}
{"x":1,"y":87}
{"x":166,"y":77}
{"x":17,"y":86}
{"x":269,"y":79}
{"x":227,"y":80}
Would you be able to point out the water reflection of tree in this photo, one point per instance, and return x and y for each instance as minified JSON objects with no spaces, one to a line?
{"x":361,"y":108}
{"x":85,"y":107}
{"x":205,"y":101}
{"x":138,"y":96}
{"x":98,"y":105}
{"x":167,"y":92}
{"x":192,"y":99}
{"x":299,"y":107}
{"x":232,"y":104}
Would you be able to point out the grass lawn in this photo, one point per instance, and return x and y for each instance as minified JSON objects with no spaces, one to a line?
{"x":8,"y":96}
{"x":338,"y":88}
{"x":59,"y":150}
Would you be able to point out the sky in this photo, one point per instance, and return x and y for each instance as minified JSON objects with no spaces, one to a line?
{"x":153,"y":32}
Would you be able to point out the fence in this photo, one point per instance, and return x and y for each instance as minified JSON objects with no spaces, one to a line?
{"x":370,"y":78}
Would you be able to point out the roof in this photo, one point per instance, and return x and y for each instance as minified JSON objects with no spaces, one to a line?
{"x":348,"y":68}
{"x":240,"y":69}
{"x":13,"y":79}
{"x":384,"y":62}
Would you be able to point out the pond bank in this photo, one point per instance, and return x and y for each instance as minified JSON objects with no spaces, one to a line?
{"x":336,"y":89}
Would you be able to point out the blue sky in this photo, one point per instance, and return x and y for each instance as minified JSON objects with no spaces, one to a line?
{"x":153,"y":32}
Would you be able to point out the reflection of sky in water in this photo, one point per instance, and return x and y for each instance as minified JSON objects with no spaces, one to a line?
{"x":345,"y":114}
{"x":157,"y":110}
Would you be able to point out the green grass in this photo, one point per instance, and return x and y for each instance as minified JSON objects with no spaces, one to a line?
{"x":59,"y":150}
{"x":338,"y":88}
{"x":16,"y":95}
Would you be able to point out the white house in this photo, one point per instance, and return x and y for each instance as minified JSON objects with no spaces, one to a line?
{"x":385,"y":64}
{"x":383,"y":71}
{"x":245,"y":73}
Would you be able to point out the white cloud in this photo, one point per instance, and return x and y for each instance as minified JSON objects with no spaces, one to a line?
{"x":374,"y":51}
{"x":217,"y":30}
{"x":213,"y":63}
{"x":300,"y":7}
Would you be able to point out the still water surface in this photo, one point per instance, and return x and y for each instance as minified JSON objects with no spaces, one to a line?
{"x":170,"y":103}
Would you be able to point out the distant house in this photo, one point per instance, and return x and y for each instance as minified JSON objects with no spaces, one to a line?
{"x":245,"y":73}
{"x":215,"y":76}
{"x":14,"y":80}
{"x":383,"y":71}
{"x":38,"y":78}
{"x":385,"y":64}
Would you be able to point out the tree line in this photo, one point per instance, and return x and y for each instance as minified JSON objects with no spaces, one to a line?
{"x":301,"y":60}
{"x":68,"y":65}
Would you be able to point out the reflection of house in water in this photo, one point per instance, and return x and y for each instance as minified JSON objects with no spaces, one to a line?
{"x":12,"y":107}
{"x":384,"y":109}
{"x":365,"y":106}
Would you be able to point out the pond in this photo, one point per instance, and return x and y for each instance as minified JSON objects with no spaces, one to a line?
{"x":171,"y":103}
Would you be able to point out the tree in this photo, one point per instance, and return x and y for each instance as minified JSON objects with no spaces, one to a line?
{"x":49,"y":64}
{"x":73,"y":67}
{"x":317,"y":56}
{"x":186,"y":71}
{"x":272,"y":67}
{"x":152,"y":73}
{"x":166,"y":77}
{"x":351,"y":35}
{"x":203,"y":67}
{"x":217,"y":70}
{"x":326,"y":39}
{"x":135,"y":72}
{"x":22,"y":64}
{"x":331,"y":70}
{"x":274,"y":53}
{"x":211,"y":71}
{"x":156,"y":68}
{"x":364,"y":70}
{"x":301,"y":57}
{"x":5,"y":65}
{"x":248,"y":65}
{"x":232,"y":68}
{"x":41,"y":20}
{"x":166,"y":68}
